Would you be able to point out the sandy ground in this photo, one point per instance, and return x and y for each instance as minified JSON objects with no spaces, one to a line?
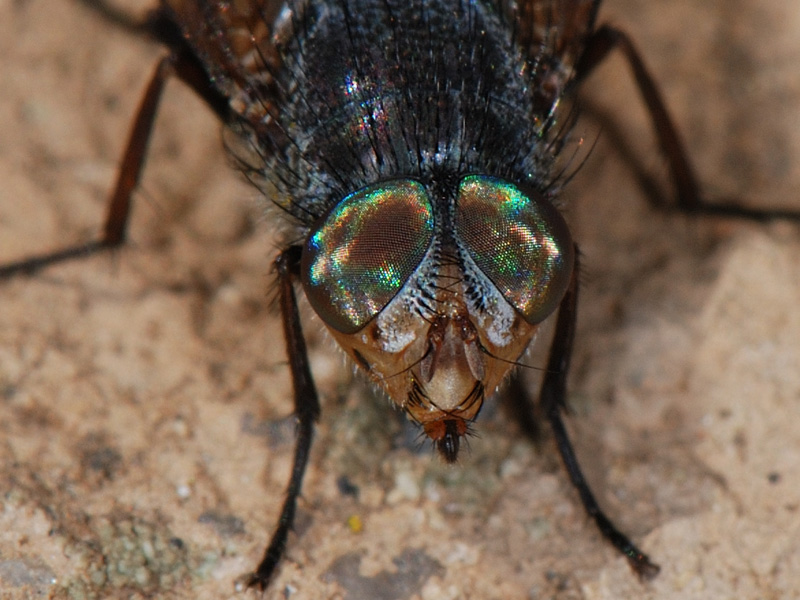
{"x":144,"y":401}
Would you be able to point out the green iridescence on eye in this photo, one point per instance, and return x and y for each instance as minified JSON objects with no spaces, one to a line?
{"x":519,"y":241}
{"x":365,"y":250}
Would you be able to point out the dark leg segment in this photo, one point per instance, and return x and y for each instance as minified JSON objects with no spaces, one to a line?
{"x":522,"y":408}
{"x":306,"y":407}
{"x":553,"y":399}
{"x":689,"y":199}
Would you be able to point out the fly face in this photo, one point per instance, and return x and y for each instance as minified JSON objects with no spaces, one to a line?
{"x":437,"y":307}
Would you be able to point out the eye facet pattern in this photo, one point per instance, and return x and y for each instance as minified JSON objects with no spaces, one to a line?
{"x":361,"y":254}
{"x":518,"y":240}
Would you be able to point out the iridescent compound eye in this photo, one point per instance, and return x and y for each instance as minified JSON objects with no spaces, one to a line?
{"x":362,"y":253}
{"x":518,"y":240}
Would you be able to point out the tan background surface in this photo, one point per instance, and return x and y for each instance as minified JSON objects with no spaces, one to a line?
{"x":144,"y":439}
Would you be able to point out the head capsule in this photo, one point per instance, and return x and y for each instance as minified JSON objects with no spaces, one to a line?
{"x":438,"y":333}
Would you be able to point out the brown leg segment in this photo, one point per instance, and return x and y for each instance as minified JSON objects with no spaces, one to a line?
{"x":119,"y":208}
{"x":181,"y":63}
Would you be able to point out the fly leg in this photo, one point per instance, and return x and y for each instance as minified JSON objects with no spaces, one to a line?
{"x":553,"y":401}
{"x":182,"y":63}
{"x":522,"y":409}
{"x":306,"y":408}
{"x":689,"y":198}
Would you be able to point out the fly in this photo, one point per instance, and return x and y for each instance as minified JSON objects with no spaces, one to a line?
{"x":416,"y":147}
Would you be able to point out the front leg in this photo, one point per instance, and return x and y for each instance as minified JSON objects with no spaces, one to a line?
{"x":553,"y":400}
{"x":306,"y":409}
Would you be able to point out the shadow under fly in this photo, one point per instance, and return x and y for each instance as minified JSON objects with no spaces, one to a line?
{"x":413,"y":154}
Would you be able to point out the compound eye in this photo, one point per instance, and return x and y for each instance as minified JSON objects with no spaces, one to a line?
{"x":363,"y":251}
{"x":518,"y":240}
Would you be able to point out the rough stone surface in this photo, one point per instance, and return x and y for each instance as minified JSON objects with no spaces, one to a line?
{"x":144,"y":439}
